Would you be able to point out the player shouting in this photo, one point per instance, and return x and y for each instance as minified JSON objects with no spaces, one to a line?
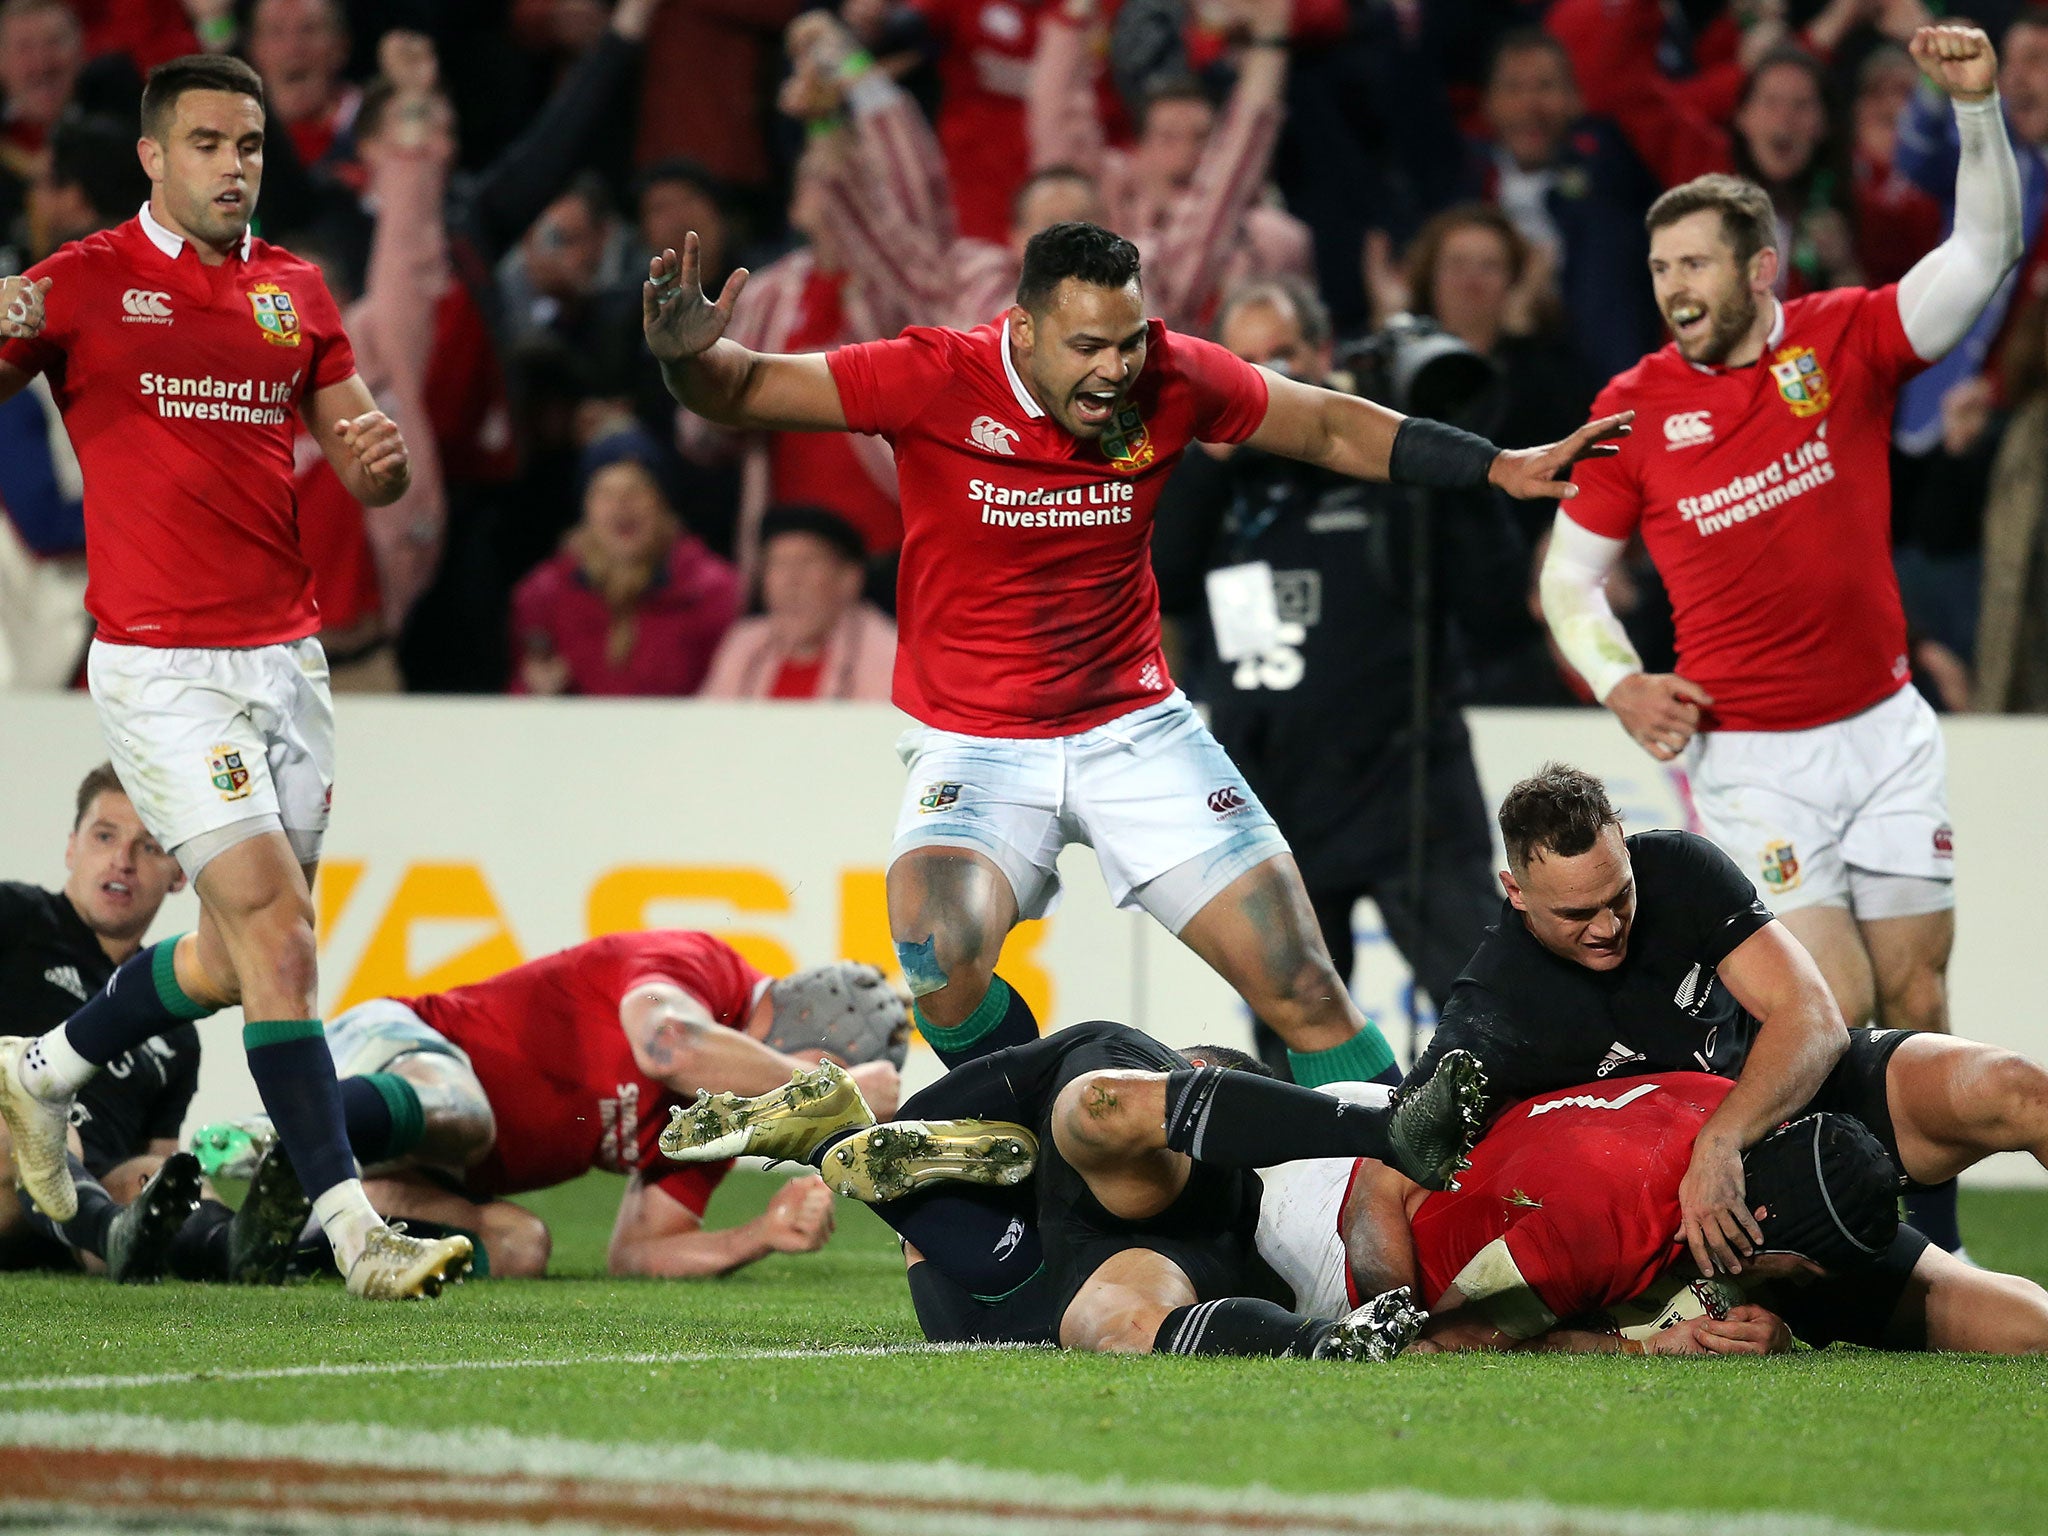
{"x":1763,"y":493}
{"x":179,"y":348}
{"x":1030,"y":452}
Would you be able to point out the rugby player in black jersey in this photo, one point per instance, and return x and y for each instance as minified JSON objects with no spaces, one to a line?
{"x":142,"y":1208}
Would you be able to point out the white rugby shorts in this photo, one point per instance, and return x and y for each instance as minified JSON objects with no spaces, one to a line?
{"x":1852,"y":814}
{"x":370,"y":1036}
{"x":209,"y":741}
{"x":1298,"y":1234}
{"x":1170,"y":818}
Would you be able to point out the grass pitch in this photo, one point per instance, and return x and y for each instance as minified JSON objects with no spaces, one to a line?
{"x":804,"y":1358}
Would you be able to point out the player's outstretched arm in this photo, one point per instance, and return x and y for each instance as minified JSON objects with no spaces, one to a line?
{"x":675,"y":1040}
{"x":657,"y":1235}
{"x":1941,"y":297}
{"x":721,"y":380}
{"x":363,"y":445}
{"x":1360,"y":438}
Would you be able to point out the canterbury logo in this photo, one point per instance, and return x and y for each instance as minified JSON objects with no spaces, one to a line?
{"x":141,"y":304}
{"x":992,"y":436}
{"x":1592,"y":1101}
{"x":1687,"y":429}
{"x":1224,"y":801}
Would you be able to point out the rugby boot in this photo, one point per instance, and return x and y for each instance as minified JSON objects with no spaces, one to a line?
{"x":139,"y":1238}
{"x":231,"y":1149}
{"x":266,"y":1229}
{"x":788,"y":1125}
{"x":1379,"y":1330}
{"x":1436,"y":1124}
{"x":37,"y":1130}
{"x":886,"y":1162}
{"x":395,"y":1267}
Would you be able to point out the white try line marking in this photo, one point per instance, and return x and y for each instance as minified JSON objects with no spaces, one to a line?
{"x":320,"y":1477}
{"x":412,"y":1367}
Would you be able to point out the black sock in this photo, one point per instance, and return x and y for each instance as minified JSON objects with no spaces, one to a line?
{"x":986,"y":1241}
{"x":383,"y":1114}
{"x":1932,"y":1213}
{"x":1241,"y":1120}
{"x":295,"y":1075}
{"x":1001,"y":1019}
{"x":1238,"y":1325}
{"x":142,"y":998}
{"x":200,"y":1250}
{"x":87,"y":1231}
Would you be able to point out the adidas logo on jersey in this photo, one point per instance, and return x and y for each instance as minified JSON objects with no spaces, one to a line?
{"x":1688,"y":429}
{"x":141,"y":306}
{"x":991,"y":436}
{"x":67,"y":977}
{"x":1617,"y":1057}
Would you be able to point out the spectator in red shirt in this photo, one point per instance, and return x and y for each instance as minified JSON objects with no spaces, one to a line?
{"x":632,"y":604}
{"x":300,"y":48}
{"x":815,"y":637}
{"x":41,"y":54}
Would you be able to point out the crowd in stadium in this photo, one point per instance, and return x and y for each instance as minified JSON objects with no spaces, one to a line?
{"x":483,"y":194}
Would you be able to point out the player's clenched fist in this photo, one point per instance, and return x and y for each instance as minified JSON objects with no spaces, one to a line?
{"x":1960,"y":60}
{"x":679,"y":321}
{"x":379,"y":448}
{"x":21,"y":307}
{"x":799,"y":1216}
{"x":1661,"y":710}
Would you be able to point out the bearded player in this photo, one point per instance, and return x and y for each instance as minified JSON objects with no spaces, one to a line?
{"x":1030,"y":453}
{"x":1763,"y":494}
{"x":458,"y":1099}
{"x":179,"y":348}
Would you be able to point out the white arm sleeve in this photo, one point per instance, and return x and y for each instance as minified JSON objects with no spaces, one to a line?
{"x":1573,"y":587}
{"x":1940,"y":299}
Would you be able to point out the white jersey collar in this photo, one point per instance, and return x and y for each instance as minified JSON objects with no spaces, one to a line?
{"x":1031,"y":408}
{"x":171,"y":244}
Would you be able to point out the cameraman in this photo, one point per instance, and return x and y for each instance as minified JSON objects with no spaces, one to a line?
{"x":1319,"y":713}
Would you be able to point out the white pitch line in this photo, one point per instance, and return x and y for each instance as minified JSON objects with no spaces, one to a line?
{"x":412,"y":1367}
{"x":991,"y":1502}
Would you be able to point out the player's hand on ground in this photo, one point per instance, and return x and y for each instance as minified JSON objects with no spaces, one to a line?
{"x":1534,"y":474}
{"x":21,"y":307}
{"x":1960,"y":60}
{"x":1747,"y":1330}
{"x":379,"y":448}
{"x":1661,"y":710}
{"x":1714,"y":1214}
{"x":678,"y":320}
{"x":799,"y":1216}
{"x":880,"y":1084}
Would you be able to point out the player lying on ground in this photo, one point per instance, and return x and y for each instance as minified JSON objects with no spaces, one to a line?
{"x":180,"y":349}
{"x":142,"y":1208}
{"x":460,"y":1098}
{"x":1030,"y":452}
{"x":1762,"y":489}
{"x":1141,"y":1185}
{"x":1652,"y":953}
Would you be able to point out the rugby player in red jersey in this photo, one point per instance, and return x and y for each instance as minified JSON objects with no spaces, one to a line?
{"x":179,"y":349}
{"x":1030,"y":453}
{"x":1762,"y":490}
{"x":572,"y":1062}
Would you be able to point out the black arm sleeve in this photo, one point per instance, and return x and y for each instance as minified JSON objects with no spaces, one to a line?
{"x":529,"y":175}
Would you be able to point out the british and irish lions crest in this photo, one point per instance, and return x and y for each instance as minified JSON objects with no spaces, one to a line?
{"x":275,"y":315}
{"x":1780,"y":868}
{"x":1801,"y":380}
{"x":230,"y":773}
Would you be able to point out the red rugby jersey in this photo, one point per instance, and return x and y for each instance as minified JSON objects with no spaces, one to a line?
{"x":1025,"y":600}
{"x":1764,"y":497}
{"x":1582,"y":1184}
{"x":180,"y":385}
{"x":546,"y":1043}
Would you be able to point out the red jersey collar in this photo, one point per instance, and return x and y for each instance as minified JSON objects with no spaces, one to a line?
{"x":1031,"y":408}
{"x":171,"y":244}
{"x":1776,"y":335}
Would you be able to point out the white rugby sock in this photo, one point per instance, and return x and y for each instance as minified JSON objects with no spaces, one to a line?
{"x":346,"y":1216}
{"x":52,"y":1069}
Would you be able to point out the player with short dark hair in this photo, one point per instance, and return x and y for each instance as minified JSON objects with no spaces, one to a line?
{"x":1030,"y":453}
{"x":180,"y":348}
{"x":1763,"y":493}
{"x":458,"y":1099}
{"x":142,"y":1210}
{"x":1618,"y":955}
